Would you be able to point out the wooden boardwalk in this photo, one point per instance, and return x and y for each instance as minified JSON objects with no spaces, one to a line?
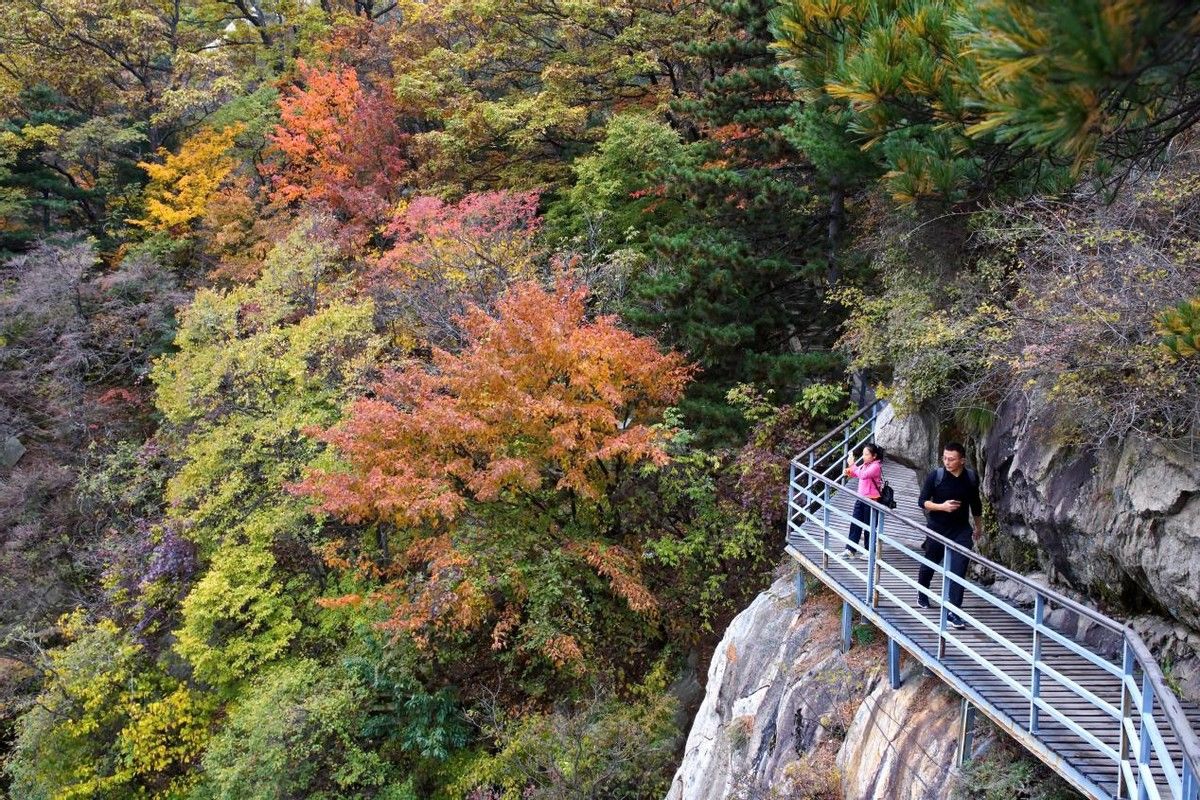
{"x":963,"y":650}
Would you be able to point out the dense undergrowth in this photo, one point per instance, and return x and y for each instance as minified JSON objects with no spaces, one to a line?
{"x":396,"y":395}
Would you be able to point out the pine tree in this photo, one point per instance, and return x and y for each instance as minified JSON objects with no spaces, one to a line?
{"x":741,"y":276}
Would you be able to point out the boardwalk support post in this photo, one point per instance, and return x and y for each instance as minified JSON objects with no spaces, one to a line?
{"x":966,"y":732}
{"x":847,"y":618}
{"x":894,"y":662}
{"x":801,"y":584}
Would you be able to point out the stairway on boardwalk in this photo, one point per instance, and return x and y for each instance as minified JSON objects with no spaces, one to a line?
{"x":992,"y":661}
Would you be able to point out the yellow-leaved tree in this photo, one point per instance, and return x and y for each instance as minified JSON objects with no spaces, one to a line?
{"x":182,"y":185}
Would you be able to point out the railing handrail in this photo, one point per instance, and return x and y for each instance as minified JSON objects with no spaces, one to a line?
{"x":827,"y":437}
{"x":1177,"y":721}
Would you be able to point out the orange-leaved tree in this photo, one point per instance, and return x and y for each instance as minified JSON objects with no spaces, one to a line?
{"x":502,"y":469}
{"x":339,"y":145}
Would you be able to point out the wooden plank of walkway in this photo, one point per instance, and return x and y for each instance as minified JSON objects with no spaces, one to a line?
{"x":1062,"y":741}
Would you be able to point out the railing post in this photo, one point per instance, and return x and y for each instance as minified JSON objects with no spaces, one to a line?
{"x":878,"y":570}
{"x":1191,"y":782}
{"x":825,"y":526}
{"x":944,"y":611}
{"x":847,"y":619}
{"x":869,"y":596}
{"x":1124,"y":746}
{"x":1035,"y":680}
{"x":1144,"y":747}
{"x":811,"y":462}
{"x":787,"y":527}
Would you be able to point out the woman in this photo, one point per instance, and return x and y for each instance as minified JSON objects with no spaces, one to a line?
{"x":870,"y":481}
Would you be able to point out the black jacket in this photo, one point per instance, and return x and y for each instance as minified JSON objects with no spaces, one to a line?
{"x":964,"y":488}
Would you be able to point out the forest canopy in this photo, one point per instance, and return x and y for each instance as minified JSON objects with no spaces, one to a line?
{"x":397,"y":396}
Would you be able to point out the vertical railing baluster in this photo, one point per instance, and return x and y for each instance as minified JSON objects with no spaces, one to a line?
{"x":945,"y":599}
{"x":878,"y":559}
{"x":1191,"y":781}
{"x":1035,"y":678}
{"x":787,"y":528}
{"x":869,"y":595}
{"x":1124,"y":746}
{"x":1147,"y":710}
{"x":825,"y":527}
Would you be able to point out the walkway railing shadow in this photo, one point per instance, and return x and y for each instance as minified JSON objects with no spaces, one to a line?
{"x":1144,"y":737}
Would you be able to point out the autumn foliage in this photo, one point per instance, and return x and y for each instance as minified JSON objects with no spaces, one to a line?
{"x":182,"y":186}
{"x":541,"y":401}
{"x":545,"y":411}
{"x":447,"y":256}
{"x":338,"y":145}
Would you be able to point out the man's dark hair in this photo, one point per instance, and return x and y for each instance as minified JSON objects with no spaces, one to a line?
{"x":956,"y":447}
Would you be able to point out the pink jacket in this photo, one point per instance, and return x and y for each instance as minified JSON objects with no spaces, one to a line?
{"x":870,"y":478}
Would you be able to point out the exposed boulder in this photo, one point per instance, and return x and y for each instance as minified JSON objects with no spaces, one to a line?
{"x":11,"y":451}
{"x":911,"y":439}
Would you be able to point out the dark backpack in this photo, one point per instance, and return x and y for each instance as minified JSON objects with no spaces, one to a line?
{"x":887,"y":495}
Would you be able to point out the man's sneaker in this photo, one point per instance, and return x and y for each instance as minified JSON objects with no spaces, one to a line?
{"x":955,"y":622}
{"x":922,"y":600}
{"x":848,"y":554}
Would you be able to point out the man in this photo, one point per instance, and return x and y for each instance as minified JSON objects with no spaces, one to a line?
{"x":947,"y":496}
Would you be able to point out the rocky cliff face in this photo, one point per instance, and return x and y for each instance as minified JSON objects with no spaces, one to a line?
{"x":903,"y":742}
{"x":1119,"y":524}
{"x":786,"y":714}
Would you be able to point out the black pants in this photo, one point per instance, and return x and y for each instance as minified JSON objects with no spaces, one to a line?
{"x":862,"y":513}
{"x":935,"y":551}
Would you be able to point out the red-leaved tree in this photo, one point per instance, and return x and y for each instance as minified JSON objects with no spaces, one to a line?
{"x":510,"y":453}
{"x":339,"y":145}
{"x":447,"y":256}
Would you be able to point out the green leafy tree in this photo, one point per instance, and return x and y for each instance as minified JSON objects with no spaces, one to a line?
{"x":256,"y":368}
{"x":295,"y":731}
{"x":107,"y":724}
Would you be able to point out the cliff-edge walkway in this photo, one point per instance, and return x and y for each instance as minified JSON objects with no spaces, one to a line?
{"x":1095,"y":707}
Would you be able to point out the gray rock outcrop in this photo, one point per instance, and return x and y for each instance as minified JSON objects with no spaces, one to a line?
{"x":911,"y":439}
{"x":775,"y":685}
{"x":1119,"y":523}
{"x":902,"y":743}
{"x":784,"y":714}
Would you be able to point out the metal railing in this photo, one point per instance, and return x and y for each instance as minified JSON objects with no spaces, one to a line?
{"x":1142,"y":762}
